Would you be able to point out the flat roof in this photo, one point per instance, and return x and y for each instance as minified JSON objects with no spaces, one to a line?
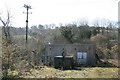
{"x":58,"y":56}
{"x":62,"y":56}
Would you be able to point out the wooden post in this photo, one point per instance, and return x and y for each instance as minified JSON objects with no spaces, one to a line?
{"x":27,"y":8}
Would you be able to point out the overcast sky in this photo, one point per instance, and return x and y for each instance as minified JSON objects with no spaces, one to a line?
{"x":58,"y":11}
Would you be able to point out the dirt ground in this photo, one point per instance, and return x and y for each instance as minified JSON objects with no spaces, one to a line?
{"x":83,"y":72}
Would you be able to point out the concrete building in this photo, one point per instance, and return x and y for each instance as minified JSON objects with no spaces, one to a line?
{"x":83,"y":54}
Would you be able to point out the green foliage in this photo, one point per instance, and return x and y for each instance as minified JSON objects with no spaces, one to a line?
{"x":12,"y":73}
{"x":85,"y":33}
{"x":94,"y":31}
{"x":67,"y":33}
{"x":76,"y":34}
{"x":98,"y":29}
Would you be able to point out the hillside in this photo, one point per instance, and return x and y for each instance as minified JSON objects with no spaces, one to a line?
{"x":18,"y":57}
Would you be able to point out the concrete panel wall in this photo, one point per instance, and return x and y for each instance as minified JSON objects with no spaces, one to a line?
{"x":71,"y":50}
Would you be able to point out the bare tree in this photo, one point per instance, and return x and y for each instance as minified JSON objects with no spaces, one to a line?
{"x":96,"y":23}
{"x":6,"y":28}
{"x":82,"y":22}
{"x":6,"y":43}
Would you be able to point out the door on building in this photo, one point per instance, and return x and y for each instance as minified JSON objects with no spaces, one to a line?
{"x":81,"y":57}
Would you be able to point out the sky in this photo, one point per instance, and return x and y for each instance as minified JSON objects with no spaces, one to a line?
{"x":58,"y":11}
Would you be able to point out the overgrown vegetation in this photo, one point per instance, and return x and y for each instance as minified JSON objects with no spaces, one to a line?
{"x":90,"y":72}
{"x":16,"y":60}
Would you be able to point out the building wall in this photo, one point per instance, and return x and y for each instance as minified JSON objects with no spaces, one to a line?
{"x":71,"y":50}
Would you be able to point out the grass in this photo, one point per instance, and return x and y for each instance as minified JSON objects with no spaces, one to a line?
{"x":12,"y":73}
{"x":93,"y":72}
{"x":99,"y":72}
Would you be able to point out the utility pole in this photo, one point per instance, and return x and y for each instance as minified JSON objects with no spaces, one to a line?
{"x":27,"y":7}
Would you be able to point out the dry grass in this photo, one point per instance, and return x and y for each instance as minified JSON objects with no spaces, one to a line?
{"x":94,"y":72}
